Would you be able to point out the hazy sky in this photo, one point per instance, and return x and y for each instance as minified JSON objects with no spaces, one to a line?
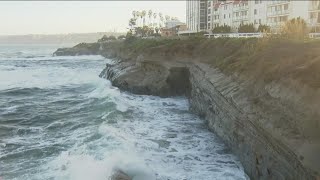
{"x":32,"y":17}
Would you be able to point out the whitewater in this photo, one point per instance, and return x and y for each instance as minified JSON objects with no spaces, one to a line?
{"x":59,"y":120}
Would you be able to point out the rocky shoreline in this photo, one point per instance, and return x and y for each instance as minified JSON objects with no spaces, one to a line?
{"x":266,"y":123}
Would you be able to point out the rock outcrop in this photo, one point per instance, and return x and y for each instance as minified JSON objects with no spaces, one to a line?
{"x":80,"y":49}
{"x":149,"y":78}
{"x":119,"y":175}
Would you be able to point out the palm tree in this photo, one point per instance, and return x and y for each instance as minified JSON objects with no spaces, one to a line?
{"x":150,"y":16}
{"x":160,"y":17}
{"x":154,"y":19}
{"x":143,"y":15}
{"x":132,"y":23}
{"x":161,"y":20}
{"x":167,"y":18}
{"x":134,"y":14}
{"x":138,"y":14}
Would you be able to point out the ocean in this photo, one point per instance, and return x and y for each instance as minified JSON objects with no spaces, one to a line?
{"x":59,"y":120}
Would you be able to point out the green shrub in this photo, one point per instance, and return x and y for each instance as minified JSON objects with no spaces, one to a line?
{"x":121,"y":37}
{"x":246,"y":28}
{"x":222,"y":29}
{"x":263,"y":28}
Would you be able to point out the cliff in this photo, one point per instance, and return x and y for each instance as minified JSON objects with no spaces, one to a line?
{"x":261,"y":97}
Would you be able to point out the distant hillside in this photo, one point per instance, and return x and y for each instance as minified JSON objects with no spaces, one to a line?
{"x":55,"y":38}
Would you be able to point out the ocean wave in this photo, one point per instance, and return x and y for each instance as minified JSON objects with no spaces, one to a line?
{"x":8,"y":110}
{"x":59,"y":120}
{"x":52,"y":58}
{"x":45,"y":77}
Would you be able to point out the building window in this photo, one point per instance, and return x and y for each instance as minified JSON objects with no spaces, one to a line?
{"x":283,"y":18}
{"x":209,"y":11}
{"x":259,"y":21}
{"x":256,"y":1}
{"x":279,"y":8}
{"x":209,"y":26}
{"x":229,"y":15}
{"x":209,"y":18}
{"x":224,"y":16}
{"x":286,"y":7}
{"x":255,"y":12}
{"x":312,"y":16}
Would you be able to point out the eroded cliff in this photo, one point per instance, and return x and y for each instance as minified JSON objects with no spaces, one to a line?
{"x":261,"y":98}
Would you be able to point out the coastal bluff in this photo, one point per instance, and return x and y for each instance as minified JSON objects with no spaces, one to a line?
{"x":262,"y":97}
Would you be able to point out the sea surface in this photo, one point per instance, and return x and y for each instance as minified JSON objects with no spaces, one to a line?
{"x":59,"y":120}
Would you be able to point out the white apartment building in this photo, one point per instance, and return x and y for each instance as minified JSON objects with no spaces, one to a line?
{"x":196,"y":15}
{"x":279,"y":12}
{"x":272,"y":13}
{"x":314,"y":14}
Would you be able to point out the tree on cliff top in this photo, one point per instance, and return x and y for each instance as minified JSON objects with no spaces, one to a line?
{"x":246,"y":28}
{"x":222,"y":29}
{"x":106,"y":38}
{"x":295,"y":28}
{"x":263,"y":28}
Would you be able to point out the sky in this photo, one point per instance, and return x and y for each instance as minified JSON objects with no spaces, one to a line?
{"x":61,"y":17}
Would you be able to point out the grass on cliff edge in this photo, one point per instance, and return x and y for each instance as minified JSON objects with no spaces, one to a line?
{"x":266,"y":58}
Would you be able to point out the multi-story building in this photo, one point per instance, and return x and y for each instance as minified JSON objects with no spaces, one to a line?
{"x":272,"y":13}
{"x":196,"y":15}
{"x":258,"y":12}
{"x":241,"y":13}
{"x":314,"y":15}
{"x":279,"y":12}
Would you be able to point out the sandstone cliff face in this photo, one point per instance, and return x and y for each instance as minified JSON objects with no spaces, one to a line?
{"x":226,"y":108}
{"x":271,"y":123}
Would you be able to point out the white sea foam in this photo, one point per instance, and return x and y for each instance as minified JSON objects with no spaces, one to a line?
{"x":160,"y":139}
{"x":146,"y":137}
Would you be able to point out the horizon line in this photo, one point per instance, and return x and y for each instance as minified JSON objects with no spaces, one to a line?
{"x":60,"y":33}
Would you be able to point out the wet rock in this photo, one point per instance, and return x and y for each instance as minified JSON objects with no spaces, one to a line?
{"x":171,"y":136}
{"x":119,"y":175}
{"x":80,"y":49}
{"x":162,"y":143}
{"x":173,"y":150}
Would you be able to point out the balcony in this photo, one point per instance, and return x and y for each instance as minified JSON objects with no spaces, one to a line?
{"x":239,"y":8}
{"x":314,"y":8}
{"x":240,"y":18}
{"x":314,"y":21}
{"x":275,"y":24}
{"x":216,"y":20}
{"x":277,"y":2}
{"x":278,"y":13}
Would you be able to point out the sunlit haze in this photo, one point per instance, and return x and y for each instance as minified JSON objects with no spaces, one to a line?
{"x":52,"y":17}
